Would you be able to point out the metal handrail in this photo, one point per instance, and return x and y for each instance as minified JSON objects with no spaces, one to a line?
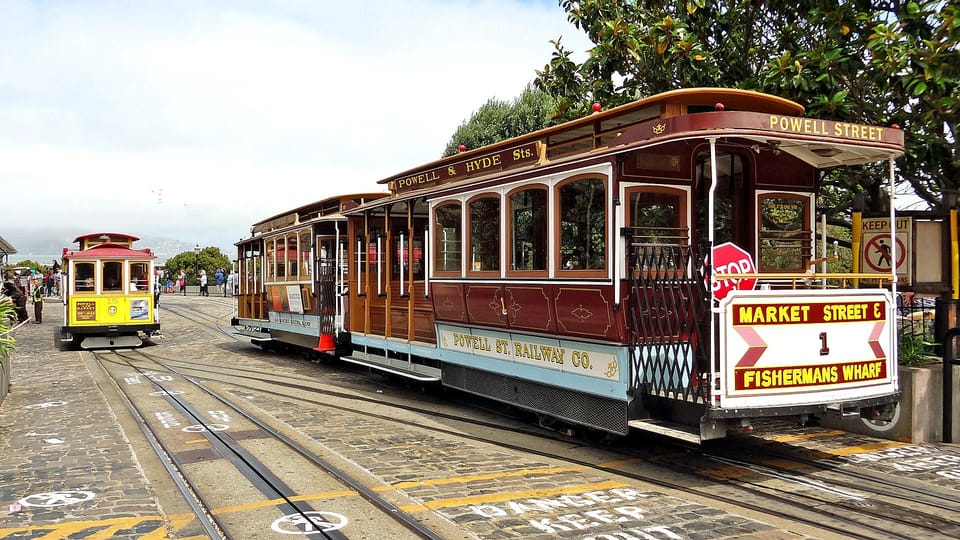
{"x":806,"y":277}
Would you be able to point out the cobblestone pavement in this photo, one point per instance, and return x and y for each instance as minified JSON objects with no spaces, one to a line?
{"x":73,"y":468}
{"x":67,"y":466}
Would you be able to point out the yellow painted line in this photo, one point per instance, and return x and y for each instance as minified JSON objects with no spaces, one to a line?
{"x":621,"y":462}
{"x":63,"y":530}
{"x":805,"y":436}
{"x":177,"y":523}
{"x":195,"y":441}
{"x":783,"y":463}
{"x":110,"y":527}
{"x":273,"y":502}
{"x":480,"y":477}
{"x":501,"y":497}
{"x":862,"y":449}
{"x":726,"y":473}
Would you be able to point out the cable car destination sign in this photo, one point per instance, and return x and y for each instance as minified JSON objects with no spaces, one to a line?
{"x":487,"y":163}
{"x":779,"y":346}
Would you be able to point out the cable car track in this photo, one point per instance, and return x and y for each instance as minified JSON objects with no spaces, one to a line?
{"x":800,"y":507}
{"x":256,"y":472}
{"x":869,"y":516}
{"x":201,"y":317}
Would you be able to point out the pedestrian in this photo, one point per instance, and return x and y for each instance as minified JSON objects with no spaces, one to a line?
{"x":38,"y":304}
{"x":12,"y":289}
{"x":220,"y":280}
{"x":182,"y":282}
{"x":48,"y":282}
{"x":229,"y":283}
{"x":203,"y":283}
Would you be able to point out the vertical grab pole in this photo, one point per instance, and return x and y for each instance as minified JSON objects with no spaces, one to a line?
{"x":954,"y":256}
{"x":403,"y":250}
{"x":427,"y":263}
{"x":359,"y":263}
{"x":894,"y":256}
{"x":338,"y":272}
{"x":856,"y":233}
{"x":823,"y":248}
{"x":714,"y":308}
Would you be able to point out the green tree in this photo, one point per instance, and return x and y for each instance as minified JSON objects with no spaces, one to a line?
{"x":877,"y":62}
{"x":497,"y":120}
{"x":33,"y":265}
{"x":209,"y":259}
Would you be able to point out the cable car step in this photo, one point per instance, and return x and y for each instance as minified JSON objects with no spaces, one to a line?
{"x":669,"y":429}
{"x":372,"y":362}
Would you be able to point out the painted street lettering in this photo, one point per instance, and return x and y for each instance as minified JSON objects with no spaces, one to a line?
{"x":658,"y":532}
{"x":309,"y":522}
{"x":913,"y":459}
{"x":167,"y":419}
{"x":583,"y":500}
{"x":56,"y":498}
{"x":47,"y":405}
{"x":196,"y":428}
{"x":219,"y":416}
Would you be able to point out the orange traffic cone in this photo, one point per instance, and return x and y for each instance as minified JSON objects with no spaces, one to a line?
{"x":326,"y":343}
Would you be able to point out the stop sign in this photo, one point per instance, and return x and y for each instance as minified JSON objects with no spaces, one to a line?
{"x":729,"y":258}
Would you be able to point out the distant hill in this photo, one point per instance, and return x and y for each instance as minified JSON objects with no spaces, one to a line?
{"x":46,"y":245}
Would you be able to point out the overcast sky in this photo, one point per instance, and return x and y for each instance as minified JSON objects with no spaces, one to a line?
{"x":193,"y":119}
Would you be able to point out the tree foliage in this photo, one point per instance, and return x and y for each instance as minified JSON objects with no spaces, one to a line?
{"x":875,"y":62}
{"x":37,"y":267}
{"x":497,"y":120}
{"x":209,"y":259}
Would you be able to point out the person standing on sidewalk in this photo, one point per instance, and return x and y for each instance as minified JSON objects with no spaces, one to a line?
{"x":38,"y":304}
{"x":218,"y":275}
{"x":203,"y":283}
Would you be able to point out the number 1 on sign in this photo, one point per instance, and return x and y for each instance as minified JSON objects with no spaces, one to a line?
{"x":824,"y":350}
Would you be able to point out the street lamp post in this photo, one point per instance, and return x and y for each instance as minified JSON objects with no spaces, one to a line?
{"x":196,"y":251}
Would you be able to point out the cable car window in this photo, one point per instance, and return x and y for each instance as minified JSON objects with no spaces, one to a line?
{"x":291,"y":256}
{"x":447,"y":256}
{"x":485,"y":234}
{"x":306,"y":270}
{"x":139,"y":276}
{"x":374,"y":253}
{"x":528,"y":229}
{"x":785,"y":233}
{"x":583,"y":225}
{"x":85,"y":277}
{"x":271,"y":259}
{"x":281,"y":259}
{"x":112,"y":275}
{"x":729,"y":200}
{"x":412,"y":262}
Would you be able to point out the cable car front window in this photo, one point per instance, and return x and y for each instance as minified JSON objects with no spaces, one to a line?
{"x":112,"y":276}
{"x":85,"y":277}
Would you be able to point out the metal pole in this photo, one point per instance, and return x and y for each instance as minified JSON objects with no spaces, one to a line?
{"x":948,"y":362}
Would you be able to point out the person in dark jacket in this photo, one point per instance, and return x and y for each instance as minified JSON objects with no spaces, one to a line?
{"x":11,"y":289}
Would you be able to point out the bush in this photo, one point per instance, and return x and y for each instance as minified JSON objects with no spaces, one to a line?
{"x":8,"y":318}
{"x":915,"y":350}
